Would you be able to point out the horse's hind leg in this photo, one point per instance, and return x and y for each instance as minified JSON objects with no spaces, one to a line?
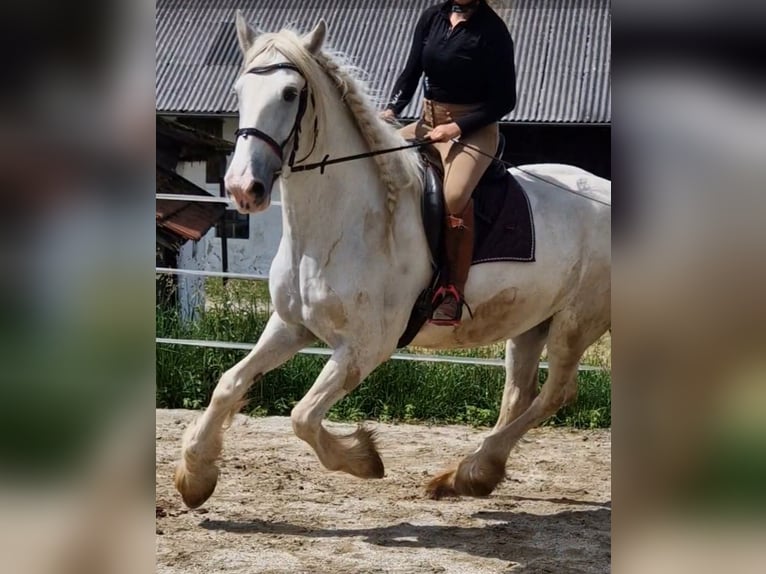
{"x":479,"y":473}
{"x":197,"y":472}
{"x":522,"y":357}
{"x":354,"y":453}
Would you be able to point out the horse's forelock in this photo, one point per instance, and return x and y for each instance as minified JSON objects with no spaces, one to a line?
{"x":288,"y":44}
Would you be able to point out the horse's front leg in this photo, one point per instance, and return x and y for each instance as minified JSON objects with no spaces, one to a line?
{"x":197,"y":471}
{"x":354,"y":453}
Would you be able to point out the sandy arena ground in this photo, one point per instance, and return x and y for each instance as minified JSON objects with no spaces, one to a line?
{"x":277,"y":510}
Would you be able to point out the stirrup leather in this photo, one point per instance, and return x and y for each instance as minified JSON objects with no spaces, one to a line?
{"x":454,"y":222}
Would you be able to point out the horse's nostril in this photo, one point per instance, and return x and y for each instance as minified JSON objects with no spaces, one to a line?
{"x":258,"y":189}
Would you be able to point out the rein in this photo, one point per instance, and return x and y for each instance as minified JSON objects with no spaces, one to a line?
{"x":320,"y":165}
{"x":509,"y":164}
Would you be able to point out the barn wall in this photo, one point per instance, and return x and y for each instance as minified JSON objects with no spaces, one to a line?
{"x":253,"y":255}
{"x":586,"y":146}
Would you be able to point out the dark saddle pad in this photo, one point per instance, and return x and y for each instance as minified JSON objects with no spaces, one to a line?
{"x":503,"y":221}
{"x":505,"y":227}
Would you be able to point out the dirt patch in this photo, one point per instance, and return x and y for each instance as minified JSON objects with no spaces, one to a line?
{"x":277,"y":510}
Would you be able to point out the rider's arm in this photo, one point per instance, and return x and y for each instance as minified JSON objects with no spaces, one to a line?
{"x":407,"y":83}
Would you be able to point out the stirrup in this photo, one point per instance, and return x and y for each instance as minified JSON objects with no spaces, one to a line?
{"x":441,"y":294}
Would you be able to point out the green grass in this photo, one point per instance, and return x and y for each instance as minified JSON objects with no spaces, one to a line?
{"x":395,"y":391}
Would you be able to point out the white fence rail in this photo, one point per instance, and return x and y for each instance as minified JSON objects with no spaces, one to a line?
{"x":200,"y":198}
{"x":198,"y":273}
{"x":455,"y":360}
{"x":452,"y":359}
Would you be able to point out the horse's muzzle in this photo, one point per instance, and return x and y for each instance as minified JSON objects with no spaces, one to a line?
{"x":250,"y":195}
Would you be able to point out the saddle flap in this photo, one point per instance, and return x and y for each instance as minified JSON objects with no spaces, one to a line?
{"x":433,"y":210}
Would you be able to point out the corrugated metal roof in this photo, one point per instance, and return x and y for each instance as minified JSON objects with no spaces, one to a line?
{"x":563,"y":51}
{"x":185,"y":219}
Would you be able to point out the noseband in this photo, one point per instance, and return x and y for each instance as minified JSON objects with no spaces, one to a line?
{"x":278,"y":148}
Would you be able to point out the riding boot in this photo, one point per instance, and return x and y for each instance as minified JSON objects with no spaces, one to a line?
{"x":458,"y":243}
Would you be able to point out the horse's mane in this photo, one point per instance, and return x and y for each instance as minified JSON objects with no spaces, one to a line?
{"x":400,"y":171}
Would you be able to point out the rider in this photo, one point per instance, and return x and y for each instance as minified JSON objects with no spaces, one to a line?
{"x":466,"y":52}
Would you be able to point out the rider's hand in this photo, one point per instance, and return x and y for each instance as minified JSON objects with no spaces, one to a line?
{"x":388,"y":115}
{"x":444,"y":133}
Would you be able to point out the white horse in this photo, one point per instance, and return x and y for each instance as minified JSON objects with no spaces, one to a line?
{"x":353,"y":258}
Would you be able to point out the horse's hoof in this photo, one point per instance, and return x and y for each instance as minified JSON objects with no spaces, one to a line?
{"x":363,"y":460}
{"x":195,"y":488}
{"x":442,"y":486}
{"x":374,"y":467}
{"x":370,"y":466}
{"x":472,"y":477}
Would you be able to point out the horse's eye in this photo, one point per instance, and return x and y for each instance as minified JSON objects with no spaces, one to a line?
{"x":289,"y":94}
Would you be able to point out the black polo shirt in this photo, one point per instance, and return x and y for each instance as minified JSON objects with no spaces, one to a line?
{"x":470,"y":64}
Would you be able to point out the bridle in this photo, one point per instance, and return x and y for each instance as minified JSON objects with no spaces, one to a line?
{"x":295,"y":132}
{"x":279,"y":148}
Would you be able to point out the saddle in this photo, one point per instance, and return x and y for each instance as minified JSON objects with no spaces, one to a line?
{"x":502,"y":217}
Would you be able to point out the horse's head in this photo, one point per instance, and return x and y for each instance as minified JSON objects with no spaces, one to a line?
{"x":272,"y":95}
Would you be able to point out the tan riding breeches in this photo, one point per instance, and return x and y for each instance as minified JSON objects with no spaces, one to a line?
{"x":463,"y":167}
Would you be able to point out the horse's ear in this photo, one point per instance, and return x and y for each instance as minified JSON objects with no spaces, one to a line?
{"x":245,"y":33}
{"x":314,"y":39}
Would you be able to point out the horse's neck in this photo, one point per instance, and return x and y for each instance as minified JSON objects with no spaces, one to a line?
{"x":320,"y":209}
{"x":337,"y":230}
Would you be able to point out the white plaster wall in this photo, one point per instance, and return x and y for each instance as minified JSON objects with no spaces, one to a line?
{"x":253,"y":255}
